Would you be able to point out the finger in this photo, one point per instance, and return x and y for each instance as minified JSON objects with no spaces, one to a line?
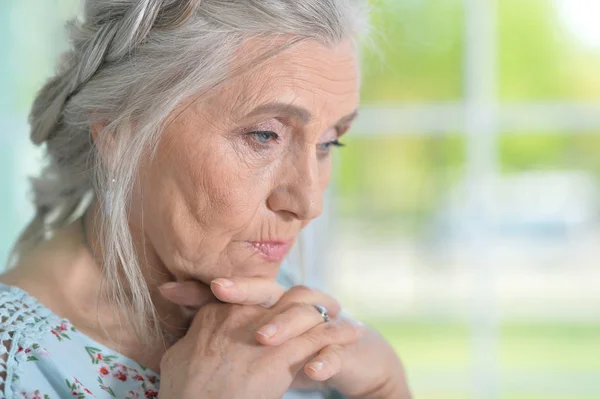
{"x":326,"y":364}
{"x":187,"y":293}
{"x":247,"y":291}
{"x":341,"y":331}
{"x":304,"y":294}
{"x":293,"y":322}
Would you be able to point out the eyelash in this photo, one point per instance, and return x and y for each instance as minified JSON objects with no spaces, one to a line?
{"x":334,"y":143}
{"x":274,"y":136}
{"x":263,"y":133}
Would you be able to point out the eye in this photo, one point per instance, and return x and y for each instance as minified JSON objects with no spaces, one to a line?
{"x":325,"y":147}
{"x":264,"y":137}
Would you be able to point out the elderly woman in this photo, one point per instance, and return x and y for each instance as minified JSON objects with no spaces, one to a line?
{"x":188,"y":144}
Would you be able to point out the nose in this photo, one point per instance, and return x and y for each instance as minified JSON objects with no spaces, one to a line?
{"x":300,"y":191}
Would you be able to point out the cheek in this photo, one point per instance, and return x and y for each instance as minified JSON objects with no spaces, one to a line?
{"x":203,"y":195}
{"x":220,"y":191}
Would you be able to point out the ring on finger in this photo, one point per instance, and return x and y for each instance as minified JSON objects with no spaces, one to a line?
{"x":323,"y":312}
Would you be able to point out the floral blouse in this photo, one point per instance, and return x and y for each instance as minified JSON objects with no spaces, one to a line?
{"x":42,"y":356}
{"x":45,"y":357}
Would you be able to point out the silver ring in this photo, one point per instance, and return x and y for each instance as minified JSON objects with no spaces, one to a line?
{"x":323,"y":312}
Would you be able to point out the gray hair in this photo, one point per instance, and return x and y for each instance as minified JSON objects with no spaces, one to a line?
{"x":135,"y":61}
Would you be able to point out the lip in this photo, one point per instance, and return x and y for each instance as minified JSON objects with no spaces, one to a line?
{"x":273,"y":251}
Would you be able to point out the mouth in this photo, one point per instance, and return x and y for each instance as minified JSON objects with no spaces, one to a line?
{"x":273,"y":251}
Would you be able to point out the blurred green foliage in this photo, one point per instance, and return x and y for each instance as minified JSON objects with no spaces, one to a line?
{"x":416,"y":56}
{"x":433,"y":349}
{"x":550,"y":151}
{"x":539,"y":59}
{"x":415,"y":52}
{"x":398,"y":179}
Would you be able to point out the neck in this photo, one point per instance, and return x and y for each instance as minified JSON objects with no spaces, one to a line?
{"x":153,"y":270}
{"x":66,"y":274}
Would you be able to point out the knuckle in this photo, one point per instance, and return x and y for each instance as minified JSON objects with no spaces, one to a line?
{"x":223,"y":312}
{"x":302,"y":290}
{"x":243,"y":312}
{"x":348,"y":324}
{"x":335,"y":351}
{"x":268,"y":301}
{"x":345,"y":329}
{"x":326,"y":334}
{"x":303,"y":307}
{"x":316,"y":340}
{"x":302,"y":293}
{"x":335,"y":307}
{"x":332,"y":330}
{"x":209,"y":308}
{"x":207,"y":314}
{"x":308,"y":308}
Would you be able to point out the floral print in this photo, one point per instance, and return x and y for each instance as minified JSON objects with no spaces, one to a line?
{"x":32,"y":353}
{"x":47,"y":358}
{"x":34,"y":395}
{"x":112,"y":373}
{"x":97,"y":356}
{"x":45,"y":350}
{"x":60,"y":331}
{"x":106,"y":388}
{"x":110,"y":370}
{"x":78,"y":390}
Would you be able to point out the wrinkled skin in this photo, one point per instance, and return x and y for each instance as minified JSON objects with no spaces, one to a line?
{"x":214,"y":186}
{"x":231,"y":169}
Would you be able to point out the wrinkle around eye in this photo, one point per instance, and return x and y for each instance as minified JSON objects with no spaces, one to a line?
{"x":253,"y":153}
{"x":255,"y":141}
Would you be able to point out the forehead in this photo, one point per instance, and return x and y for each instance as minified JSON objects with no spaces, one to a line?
{"x":320,"y":78}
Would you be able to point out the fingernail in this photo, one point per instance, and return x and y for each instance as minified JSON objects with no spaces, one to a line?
{"x":168,"y":286}
{"x":223,"y":282}
{"x":315,"y":366}
{"x":267,"y":331}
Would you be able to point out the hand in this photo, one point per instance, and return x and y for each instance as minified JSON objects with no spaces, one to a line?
{"x":368,"y":368}
{"x":220,"y":358}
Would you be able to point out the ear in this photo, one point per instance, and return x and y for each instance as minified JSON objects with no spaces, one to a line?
{"x":104,"y":142}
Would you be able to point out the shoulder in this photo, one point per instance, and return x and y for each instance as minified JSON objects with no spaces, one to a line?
{"x":43,"y":356}
{"x":37,"y":351}
{"x":22,"y":317}
{"x":22,"y":313}
{"x":23,"y":324}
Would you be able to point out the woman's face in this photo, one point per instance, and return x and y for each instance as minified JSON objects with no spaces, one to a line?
{"x":240,"y":173}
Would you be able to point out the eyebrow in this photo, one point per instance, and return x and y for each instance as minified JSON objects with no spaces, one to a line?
{"x":294,"y":111}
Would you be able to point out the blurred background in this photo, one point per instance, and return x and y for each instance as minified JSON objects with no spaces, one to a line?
{"x":464,"y":217}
